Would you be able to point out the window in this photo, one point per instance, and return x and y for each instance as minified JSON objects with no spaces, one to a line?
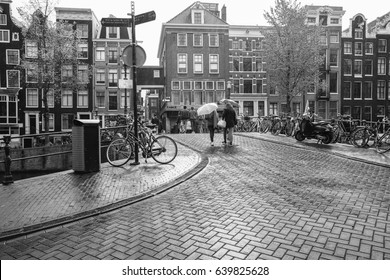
{"x":220,"y":85}
{"x":367,"y":113}
{"x":236,"y":64}
{"x":8,"y":109}
{"x":247,"y":63}
{"x":112,"y":101}
{"x":247,"y":86}
{"x":82,"y":30}
{"x":214,"y":63}
{"x":332,"y":109}
{"x":333,"y":57}
{"x":347,"y":67}
{"x":32,"y":97}
{"x":182,"y":63}
{"x":198,"y":40}
{"x":112,"y":55}
{"x":198,"y":63}
{"x":213,"y":40}
{"x":15,"y":36}
{"x":67,"y":121}
{"x":4,"y":36}
{"x":32,"y":73}
{"x":209,"y":85}
{"x":334,"y":21}
{"x":66,"y":73}
{"x":248,"y":108}
{"x":357,"y":113}
{"x":3,"y":19}
{"x":334,"y":37}
{"x":381,"y":90}
{"x":82,"y":74}
{"x":209,"y":96}
{"x":248,"y":45}
{"x":236,"y":86}
{"x":187,"y":85}
{"x":31,"y":49}
{"x":12,"y":57}
{"x":367,"y":90}
{"x":175,"y":85}
{"x":261,"y":108}
{"x":357,"y":69}
{"x":182,"y":39}
{"x":100,"y":54}
{"x":368,"y":67}
{"x":13,"y":79}
{"x":82,"y":51}
{"x":358,"y":34}
{"x":273,"y":108}
{"x":197,"y":17}
{"x":382,"y":45}
{"x":347,"y":90}
{"x":50,"y":99}
{"x":82,"y":99}
{"x":358,"y":48}
{"x":51,"y":122}
{"x":198,"y":97}
{"x":100,"y":99}
{"x":113,"y":78}
{"x":259,"y":64}
{"x":381,"y":66}
{"x":357,"y":90}
{"x":323,"y":20}
{"x":333,"y":82}
{"x":369,"y":48}
{"x":323,"y":40}
{"x":175,"y":98}
{"x":259,"y":86}
{"x":156,"y":74}
{"x":66,"y":98}
{"x":347,"y":48}
{"x":235,"y":45}
{"x":187,"y":97}
{"x":113,"y":32}
{"x":380,"y":111}
{"x":311,"y":20}
{"x":100,"y":76}
{"x":198,"y":85}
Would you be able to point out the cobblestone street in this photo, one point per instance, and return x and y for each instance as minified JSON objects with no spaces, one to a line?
{"x":255,"y":200}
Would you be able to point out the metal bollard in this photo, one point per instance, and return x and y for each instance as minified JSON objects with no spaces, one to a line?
{"x":8,"y":179}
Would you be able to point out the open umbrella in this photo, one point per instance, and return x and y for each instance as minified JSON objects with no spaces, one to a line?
{"x":207,"y":108}
{"x":225,"y":100}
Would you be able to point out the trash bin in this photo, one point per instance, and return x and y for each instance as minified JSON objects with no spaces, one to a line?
{"x":86,"y":146}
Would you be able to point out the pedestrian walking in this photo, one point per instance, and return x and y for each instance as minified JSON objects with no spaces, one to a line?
{"x":212,"y":121}
{"x":229,"y":115}
{"x":156,"y":122}
{"x":193,"y":115}
{"x":184,"y":117}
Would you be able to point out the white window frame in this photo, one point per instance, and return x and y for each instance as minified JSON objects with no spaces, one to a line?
{"x":67,"y":119}
{"x":7,"y":56}
{"x":100,"y":53}
{"x":82,"y":98}
{"x":32,"y":98}
{"x":182,"y":63}
{"x":68,"y":69}
{"x":201,"y":40}
{"x":193,"y":12}
{"x":100,"y":98}
{"x":31,"y":68}
{"x":198,"y":64}
{"x":361,"y":68}
{"x":211,"y":63}
{"x":69,"y":98}
{"x":31,"y":49}
{"x":51,"y":122}
{"x":175,"y":85}
{"x":122,"y":103}
{"x":82,"y":74}
{"x":15,"y":36}
{"x":117,"y":33}
{"x":356,"y":49}
{"x":113,"y":73}
{"x":182,"y":36}
{"x":6,"y":33}
{"x":349,"y":49}
{"x":371,"y":48}
{"x":80,"y":32}
{"x":8,"y":85}
{"x":50,"y":98}
{"x":384,"y":65}
{"x":187,"y":85}
{"x":216,"y":39}
{"x":82,"y":51}
{"x":385,"y":45}
{"x":384,"y":90}
{"x":100,"y":72}
{"x":3,"y":19}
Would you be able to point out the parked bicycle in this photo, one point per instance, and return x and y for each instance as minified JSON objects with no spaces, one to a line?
{"x":162,"y":149}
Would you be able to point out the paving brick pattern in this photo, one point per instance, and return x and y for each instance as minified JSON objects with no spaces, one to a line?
{"x":255,"y":200}
{"x":47,"y":198}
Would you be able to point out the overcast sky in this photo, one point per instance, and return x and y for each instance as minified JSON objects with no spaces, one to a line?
{"x":239,"y":12}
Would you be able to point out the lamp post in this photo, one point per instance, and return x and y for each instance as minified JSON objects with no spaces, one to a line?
{"x":229,"y":87}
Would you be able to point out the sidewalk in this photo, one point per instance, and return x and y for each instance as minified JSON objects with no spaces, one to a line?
{"x":42,"y":202}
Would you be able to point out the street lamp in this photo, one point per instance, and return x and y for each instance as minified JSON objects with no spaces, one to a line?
{"x":229,"y":86}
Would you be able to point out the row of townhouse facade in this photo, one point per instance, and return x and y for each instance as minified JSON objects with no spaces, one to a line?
{"x":202,"y":59}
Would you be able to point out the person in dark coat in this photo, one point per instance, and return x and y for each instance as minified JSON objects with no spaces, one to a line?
{"x":212,"y":120}
{"x":229,"y":115}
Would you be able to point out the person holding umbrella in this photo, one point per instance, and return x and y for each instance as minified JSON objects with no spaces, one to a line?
{"x":229,"y":115}
{"x":212,"y":121}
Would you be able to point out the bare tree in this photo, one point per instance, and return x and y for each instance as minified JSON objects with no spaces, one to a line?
{"x":292,"y":50}
{"x":50,"y":46}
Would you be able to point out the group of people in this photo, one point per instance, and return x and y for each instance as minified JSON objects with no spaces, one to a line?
{"x":230,"y":118}
{"x":187,"y":120}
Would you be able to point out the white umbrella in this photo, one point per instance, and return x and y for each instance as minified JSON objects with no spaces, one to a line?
{"x":225,"y":100}
{"x":207,"y":108}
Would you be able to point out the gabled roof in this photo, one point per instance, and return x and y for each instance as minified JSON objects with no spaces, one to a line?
{"x":381,"y":21}
{"x":209,"y":16}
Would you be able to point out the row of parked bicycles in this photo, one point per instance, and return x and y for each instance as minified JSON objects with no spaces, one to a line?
{"x":343,"y":129}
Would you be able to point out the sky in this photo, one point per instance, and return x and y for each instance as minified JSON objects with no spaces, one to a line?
{"x":239,"y":12}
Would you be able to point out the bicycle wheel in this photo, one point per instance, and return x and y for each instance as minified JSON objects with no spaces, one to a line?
{"x":277,"y":127}
{"x":119,"y":152}
{"x":289,"y":128}
{"x":164,"y":149}
{"x":336,"y":133}
{"x":383,"y":143}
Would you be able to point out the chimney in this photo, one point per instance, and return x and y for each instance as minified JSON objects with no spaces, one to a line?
{"x":223,"y":11}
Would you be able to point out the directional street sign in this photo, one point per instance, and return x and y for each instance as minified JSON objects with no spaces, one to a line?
{"x":142,"y":18}
{"x":116,"y":22}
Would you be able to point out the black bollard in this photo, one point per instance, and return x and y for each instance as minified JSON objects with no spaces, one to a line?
{"x":8,"y":179}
